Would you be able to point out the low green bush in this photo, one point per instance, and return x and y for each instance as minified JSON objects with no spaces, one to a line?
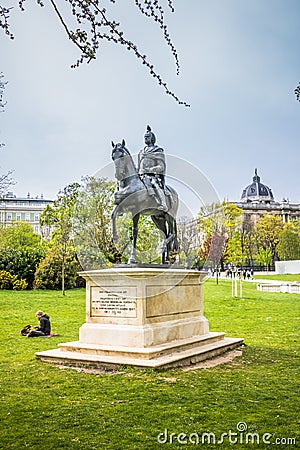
{"x":21,"y":262}
{"x":49,"y":272}
{"x":9,"y":281}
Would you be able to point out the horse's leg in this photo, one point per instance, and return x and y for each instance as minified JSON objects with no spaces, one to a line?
{"x":168,"y":240}
{"x":114,"y":226}
{"x":160,"y":222}
{"x":172,"y":236}
{"x":171,"y":241}
{"x":135,"y":221}
{"x":175,"y":240}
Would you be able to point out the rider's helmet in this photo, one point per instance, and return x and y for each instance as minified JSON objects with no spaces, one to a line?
{"x":150,"y":135}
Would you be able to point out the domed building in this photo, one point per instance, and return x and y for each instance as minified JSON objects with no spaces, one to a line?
{"x":257,"y":192}
{"x":257,"y":199}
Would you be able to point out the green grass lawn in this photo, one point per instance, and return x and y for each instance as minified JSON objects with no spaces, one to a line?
{"x":283,"y":277}
{"x":45,"y":407}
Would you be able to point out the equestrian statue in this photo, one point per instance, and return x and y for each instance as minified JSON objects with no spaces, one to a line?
{"x":142,"y":190}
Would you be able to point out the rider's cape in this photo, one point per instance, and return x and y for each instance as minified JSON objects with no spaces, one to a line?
{"x":150,"y":158}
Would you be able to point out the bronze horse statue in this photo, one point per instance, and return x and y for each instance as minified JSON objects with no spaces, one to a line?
{"x":132,"y":196}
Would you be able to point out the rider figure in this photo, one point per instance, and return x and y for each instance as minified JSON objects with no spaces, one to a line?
{"x":152,"y":169}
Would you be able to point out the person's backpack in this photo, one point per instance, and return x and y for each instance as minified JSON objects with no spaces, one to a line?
{"x":26,"y":330}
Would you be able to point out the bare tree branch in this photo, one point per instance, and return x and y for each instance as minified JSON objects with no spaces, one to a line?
{"x":5,"y":179}
{"x":2,"y":102}
{"x":94,"y":25}
{"x":5,"y":182}
{"x":297,"y":92}
{"x":2,"y":87}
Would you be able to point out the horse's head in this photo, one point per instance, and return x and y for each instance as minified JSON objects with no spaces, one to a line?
{"x":124,"y":163}
{"x":119,"y":150}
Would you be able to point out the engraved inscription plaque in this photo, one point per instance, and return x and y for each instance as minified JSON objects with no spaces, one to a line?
{"x":113,"y":301}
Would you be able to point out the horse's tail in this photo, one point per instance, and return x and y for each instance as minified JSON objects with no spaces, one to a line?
{"x":172,"y":196}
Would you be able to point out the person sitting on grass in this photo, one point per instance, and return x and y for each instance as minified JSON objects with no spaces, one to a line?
{"x":45,"y":327}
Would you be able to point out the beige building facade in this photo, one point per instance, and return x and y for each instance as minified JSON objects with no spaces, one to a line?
{"x":23,"y":209}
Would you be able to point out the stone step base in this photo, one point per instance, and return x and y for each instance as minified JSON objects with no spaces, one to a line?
{"x":152,"y":352}
{"x":174,"y":354}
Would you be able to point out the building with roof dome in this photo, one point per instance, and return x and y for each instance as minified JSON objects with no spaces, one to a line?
{"x":257,"y":192}
{"x":257,"y":199}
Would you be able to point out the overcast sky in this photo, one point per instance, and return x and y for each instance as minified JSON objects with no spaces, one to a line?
{"x":239,"y":66}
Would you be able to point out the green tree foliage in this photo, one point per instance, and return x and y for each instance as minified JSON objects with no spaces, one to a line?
{"x":92,"y":224}
{"x":265,"y":256}
{"x":21,"y":262}
{"x":267,"y":232}
{"x":92,"y":228}
{"x":149,"y":241}
{"x":233,"y":253}
{"x":243,"y":241}
{"x":49,"y":274}
{"x":20,"y":251}
{"x":248,"y":240}
{"x":221,"y":225}
{"x":288,"y":247}
{"x":232,"y":217}
{"x":233,"y":225}
{"x":18,"y":236}
{"x":60,"y":216}
{"x":94,"y":25}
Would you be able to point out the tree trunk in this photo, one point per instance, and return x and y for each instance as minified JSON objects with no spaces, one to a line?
{"x":63,"y":274}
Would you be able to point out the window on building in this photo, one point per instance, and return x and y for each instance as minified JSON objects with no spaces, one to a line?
{"x":36,"y":218}
{"x":18,"y":217}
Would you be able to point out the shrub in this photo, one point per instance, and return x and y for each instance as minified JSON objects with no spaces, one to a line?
{"x":48,"y":273}
{"x":21,"y":262}
{"x":9,"y":281}
{"x":20,"y":251}
{"x":19,"y":285}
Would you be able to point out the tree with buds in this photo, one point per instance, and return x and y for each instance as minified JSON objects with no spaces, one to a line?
{"x":95,"y":26}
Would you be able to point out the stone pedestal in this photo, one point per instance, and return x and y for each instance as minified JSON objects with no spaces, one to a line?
{"x":144,"y":317}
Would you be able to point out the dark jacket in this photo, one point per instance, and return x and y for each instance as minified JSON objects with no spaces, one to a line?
{"x":45,"y":326}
